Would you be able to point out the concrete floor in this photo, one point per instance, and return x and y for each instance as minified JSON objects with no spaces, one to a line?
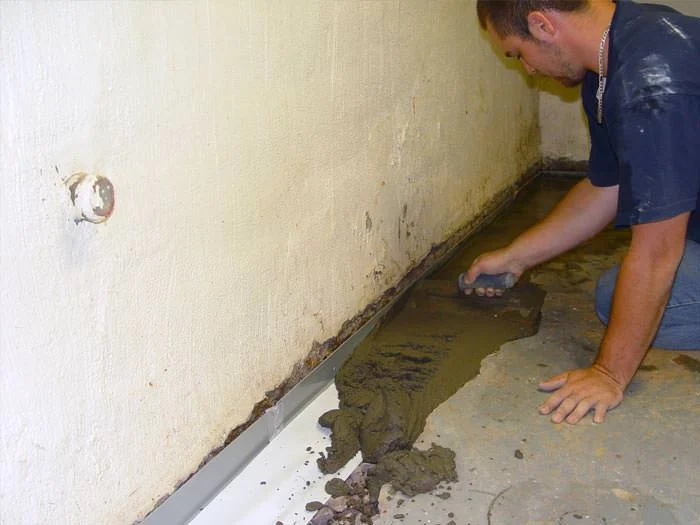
{"x":516,"y":467}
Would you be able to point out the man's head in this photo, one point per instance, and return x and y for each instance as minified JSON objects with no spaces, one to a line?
{"x":510,"y":17}
{"x":538,"y":33}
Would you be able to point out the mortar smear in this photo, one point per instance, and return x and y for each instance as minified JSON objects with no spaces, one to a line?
{"x":433,"y":345}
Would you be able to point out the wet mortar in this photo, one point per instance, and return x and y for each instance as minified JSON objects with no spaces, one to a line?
{"x":427,"y":348}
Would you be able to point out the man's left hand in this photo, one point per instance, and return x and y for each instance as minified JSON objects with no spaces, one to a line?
{"x":579,"y":391}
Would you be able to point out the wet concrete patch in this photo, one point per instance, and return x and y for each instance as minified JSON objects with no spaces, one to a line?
{"x":433,"y":344}
{"x":409,"y":366}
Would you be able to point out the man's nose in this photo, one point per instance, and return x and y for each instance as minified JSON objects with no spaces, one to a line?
{"x":528,"y":68}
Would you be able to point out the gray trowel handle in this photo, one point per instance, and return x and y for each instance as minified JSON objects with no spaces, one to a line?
{"x":497,"y":281}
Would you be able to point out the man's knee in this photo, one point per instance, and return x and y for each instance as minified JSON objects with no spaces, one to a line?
{"x":604,"y":294}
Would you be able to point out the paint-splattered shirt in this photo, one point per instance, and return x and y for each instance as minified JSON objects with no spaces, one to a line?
{"x":649,"y":141}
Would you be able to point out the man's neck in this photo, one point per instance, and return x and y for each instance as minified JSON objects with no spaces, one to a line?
{"x":585,"y":32}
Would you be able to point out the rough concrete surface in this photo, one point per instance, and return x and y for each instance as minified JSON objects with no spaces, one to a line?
{"x":514,"y":466}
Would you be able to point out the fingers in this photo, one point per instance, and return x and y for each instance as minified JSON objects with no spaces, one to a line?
{"x":572,"y":410}
{"x":578,"y":392}
{"x":488,"y":292}
{"x":600,"y":411}
{"x":565,"y":408}
{"x":474,"y":271}
{"x":481,"y":292}
{"x":494,"y":262}
{"x":554,"y":383}
{"x":553,"y":402}
{"x":469,"y":277}
{"x":578,"y":413}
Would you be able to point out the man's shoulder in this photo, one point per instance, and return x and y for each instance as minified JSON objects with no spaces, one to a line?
{"x":656,"y":53}
{"x":639,"y":29}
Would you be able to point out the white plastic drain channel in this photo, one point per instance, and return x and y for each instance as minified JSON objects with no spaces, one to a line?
{"x":279,"y":482}
{"x":264,"y":472}
{"x":274,"y":446}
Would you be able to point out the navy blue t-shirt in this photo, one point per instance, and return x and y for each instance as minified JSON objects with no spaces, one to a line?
{"x":649,"y":141}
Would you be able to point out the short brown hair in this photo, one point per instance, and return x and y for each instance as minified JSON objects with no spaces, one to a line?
{"x":509,"y":17}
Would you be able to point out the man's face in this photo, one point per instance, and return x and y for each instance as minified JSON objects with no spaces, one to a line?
{"x":542,"y":58}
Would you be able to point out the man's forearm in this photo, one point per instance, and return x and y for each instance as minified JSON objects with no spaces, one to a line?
{"x":583,"y":212}
{"x":641,"y":293}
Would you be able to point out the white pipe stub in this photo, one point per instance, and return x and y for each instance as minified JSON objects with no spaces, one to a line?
{"x":92,"y":196}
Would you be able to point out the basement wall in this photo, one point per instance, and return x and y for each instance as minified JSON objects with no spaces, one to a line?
{"x":562,"y":120}
{"x":277,"y":166}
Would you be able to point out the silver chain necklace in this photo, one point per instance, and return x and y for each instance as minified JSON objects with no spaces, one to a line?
{"x":602,"y":79}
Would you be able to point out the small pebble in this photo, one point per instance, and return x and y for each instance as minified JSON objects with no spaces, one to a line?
{"x":263,"y":482}
{"x":337,"y":487}
{"x":313,"y":506}
{"x":399,"y":516}
{"x":444,"y":495}
{"x":518,"y":453}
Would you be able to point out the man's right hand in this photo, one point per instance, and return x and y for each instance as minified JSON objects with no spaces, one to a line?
{"x":497,"y":261}
{"x":585,"y":211}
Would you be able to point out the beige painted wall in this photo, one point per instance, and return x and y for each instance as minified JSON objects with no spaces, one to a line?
{"x":276,"y":169}
{"x":564,"y":134}
{"x":562,"y":121}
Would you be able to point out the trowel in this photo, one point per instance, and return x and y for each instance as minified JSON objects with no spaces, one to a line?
{"x":447,"y":289}
{"x":513,"y":295}
{"x":497,"y":281}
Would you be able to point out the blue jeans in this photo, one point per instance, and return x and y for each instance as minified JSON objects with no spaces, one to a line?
{"x":680,"y":324}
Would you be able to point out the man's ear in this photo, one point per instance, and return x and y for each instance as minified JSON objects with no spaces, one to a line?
{"x":541,"y":26}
